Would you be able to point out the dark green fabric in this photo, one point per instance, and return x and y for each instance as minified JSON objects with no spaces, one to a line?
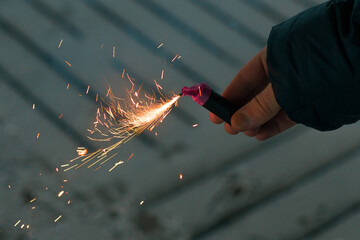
{"x":314,"y":65}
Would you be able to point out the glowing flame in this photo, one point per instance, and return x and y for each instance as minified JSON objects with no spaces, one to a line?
{"x":122,"y":120}
{"x":151,"y":115}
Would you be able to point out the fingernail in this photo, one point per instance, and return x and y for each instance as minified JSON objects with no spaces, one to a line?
{"x":241,"y":123}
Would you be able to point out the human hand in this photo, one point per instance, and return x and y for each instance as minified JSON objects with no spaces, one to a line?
{"x":260,"y":115}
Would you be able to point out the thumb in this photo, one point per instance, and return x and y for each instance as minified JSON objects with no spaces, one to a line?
{"x":256,"y":112}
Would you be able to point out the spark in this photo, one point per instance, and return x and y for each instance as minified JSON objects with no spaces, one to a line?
{"x":116,"y":164}
{"x":28,"y":226}
{"x":9,"y":186}
{"x":122,"y":76}
{"x":38,"y":135}
{"x":162,"y":74}
{"x":65,"y":165}
{"x":61,"y":41}
{"x":68,"y":202}
{"x":60,"y":116}
{"x":67,"y":86}
{"x":87,"y":90}
{"x":174,"y":57}
{"x":157,"y":86}
{"x":22,"y":226}
{"x":142,"y":202}
{"x":113,"y":51}
{"x":57,"y":169}
{"x":60,"y":193}
{"x":33,"y":106}
{"x":57,"y":218}
{"x":129,"y":79}
{"x":81,"y":151}
{"x":194,"y":125}
{"x":160,"y":45}
{"x":65,"y":180}
{"x":108,"y":158}
{"x":33,"y":208}
{"x":17,"y":223}
{"x":68,"y":63}
{"x":130,"y":157}
{"x":33,"y":200}
{"x":70,"y":167}
{"x":122,"y":119}
{"x":180,"y":176}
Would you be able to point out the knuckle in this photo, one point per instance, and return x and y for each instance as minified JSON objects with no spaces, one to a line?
{"x":261,"y":105}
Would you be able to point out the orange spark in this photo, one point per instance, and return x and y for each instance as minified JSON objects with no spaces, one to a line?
{"x":129,"y":79}
{"x":68,"y":63}
{"x":130,"y":157}
{"x":60,"y":116}
{"x":160,"y":45}
{"x":81,"y":151}
{"x":60,"y":193}
{"x":175,"y":57}
{"x":123,"y":119}
{"x":157,"y":86}
{"x":180,"y":176}
{"x":162,"y":74}
{"x":87,"y":90}
{"x":38,"y":135}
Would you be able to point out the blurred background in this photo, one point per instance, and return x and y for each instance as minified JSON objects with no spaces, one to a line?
{"x":185,"y":182}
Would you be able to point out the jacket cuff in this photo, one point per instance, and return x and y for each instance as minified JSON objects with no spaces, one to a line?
{"x":312,"y":66}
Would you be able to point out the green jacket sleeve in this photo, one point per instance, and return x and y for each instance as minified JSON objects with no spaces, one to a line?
{"x":314,"y":65}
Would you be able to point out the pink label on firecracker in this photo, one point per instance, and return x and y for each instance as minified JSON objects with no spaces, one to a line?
{"x":199,"y":92}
